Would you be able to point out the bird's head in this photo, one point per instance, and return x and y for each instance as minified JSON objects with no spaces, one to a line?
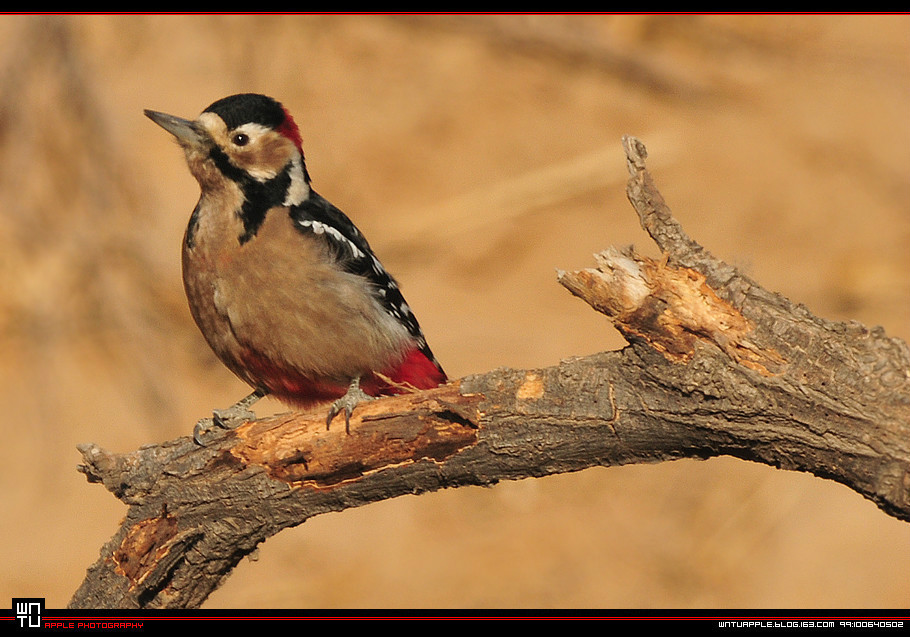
{"x":244,"y":139}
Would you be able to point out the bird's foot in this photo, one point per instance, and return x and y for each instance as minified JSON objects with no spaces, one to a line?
{"x":229,"y":418}
{"x":347,"y":403}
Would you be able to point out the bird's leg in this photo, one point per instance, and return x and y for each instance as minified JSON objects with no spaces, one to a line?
{"x":229,"y":418}
{"x":348,"y":402}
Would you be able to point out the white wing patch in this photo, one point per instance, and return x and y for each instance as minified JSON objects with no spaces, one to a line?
{"x":323,"y":228}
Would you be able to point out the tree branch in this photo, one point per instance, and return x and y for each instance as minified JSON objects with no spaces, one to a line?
{"x":716,"y":365}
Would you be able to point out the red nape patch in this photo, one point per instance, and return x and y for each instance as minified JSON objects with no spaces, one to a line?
{"x":289,"y":129}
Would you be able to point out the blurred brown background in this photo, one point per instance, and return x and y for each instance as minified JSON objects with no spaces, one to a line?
{"x":478,"y":154}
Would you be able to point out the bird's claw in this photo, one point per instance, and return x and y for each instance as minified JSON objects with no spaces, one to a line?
{"x":226,"y":419}
{"x":347,"y":403}
{"x":232,"y":417}
{"x":229,"y":418}
{"x":203,"y":426}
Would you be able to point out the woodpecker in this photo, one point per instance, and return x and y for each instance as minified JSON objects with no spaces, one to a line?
{"x":283,"y":286}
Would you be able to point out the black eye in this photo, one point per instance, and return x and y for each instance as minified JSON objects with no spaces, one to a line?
{"x":241,"y":139}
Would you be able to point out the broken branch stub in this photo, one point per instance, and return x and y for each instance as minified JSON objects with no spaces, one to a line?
{"x":671,"y":308}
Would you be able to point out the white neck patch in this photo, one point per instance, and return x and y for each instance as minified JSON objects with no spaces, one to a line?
{"x":299,"y":189}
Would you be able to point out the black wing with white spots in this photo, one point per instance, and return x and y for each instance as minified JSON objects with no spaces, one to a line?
{"x":316,"y":215}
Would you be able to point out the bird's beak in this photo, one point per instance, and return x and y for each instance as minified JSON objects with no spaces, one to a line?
{"x":186,"y":131}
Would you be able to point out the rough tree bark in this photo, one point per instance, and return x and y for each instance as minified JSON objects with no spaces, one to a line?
{"x":716,"y":365}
